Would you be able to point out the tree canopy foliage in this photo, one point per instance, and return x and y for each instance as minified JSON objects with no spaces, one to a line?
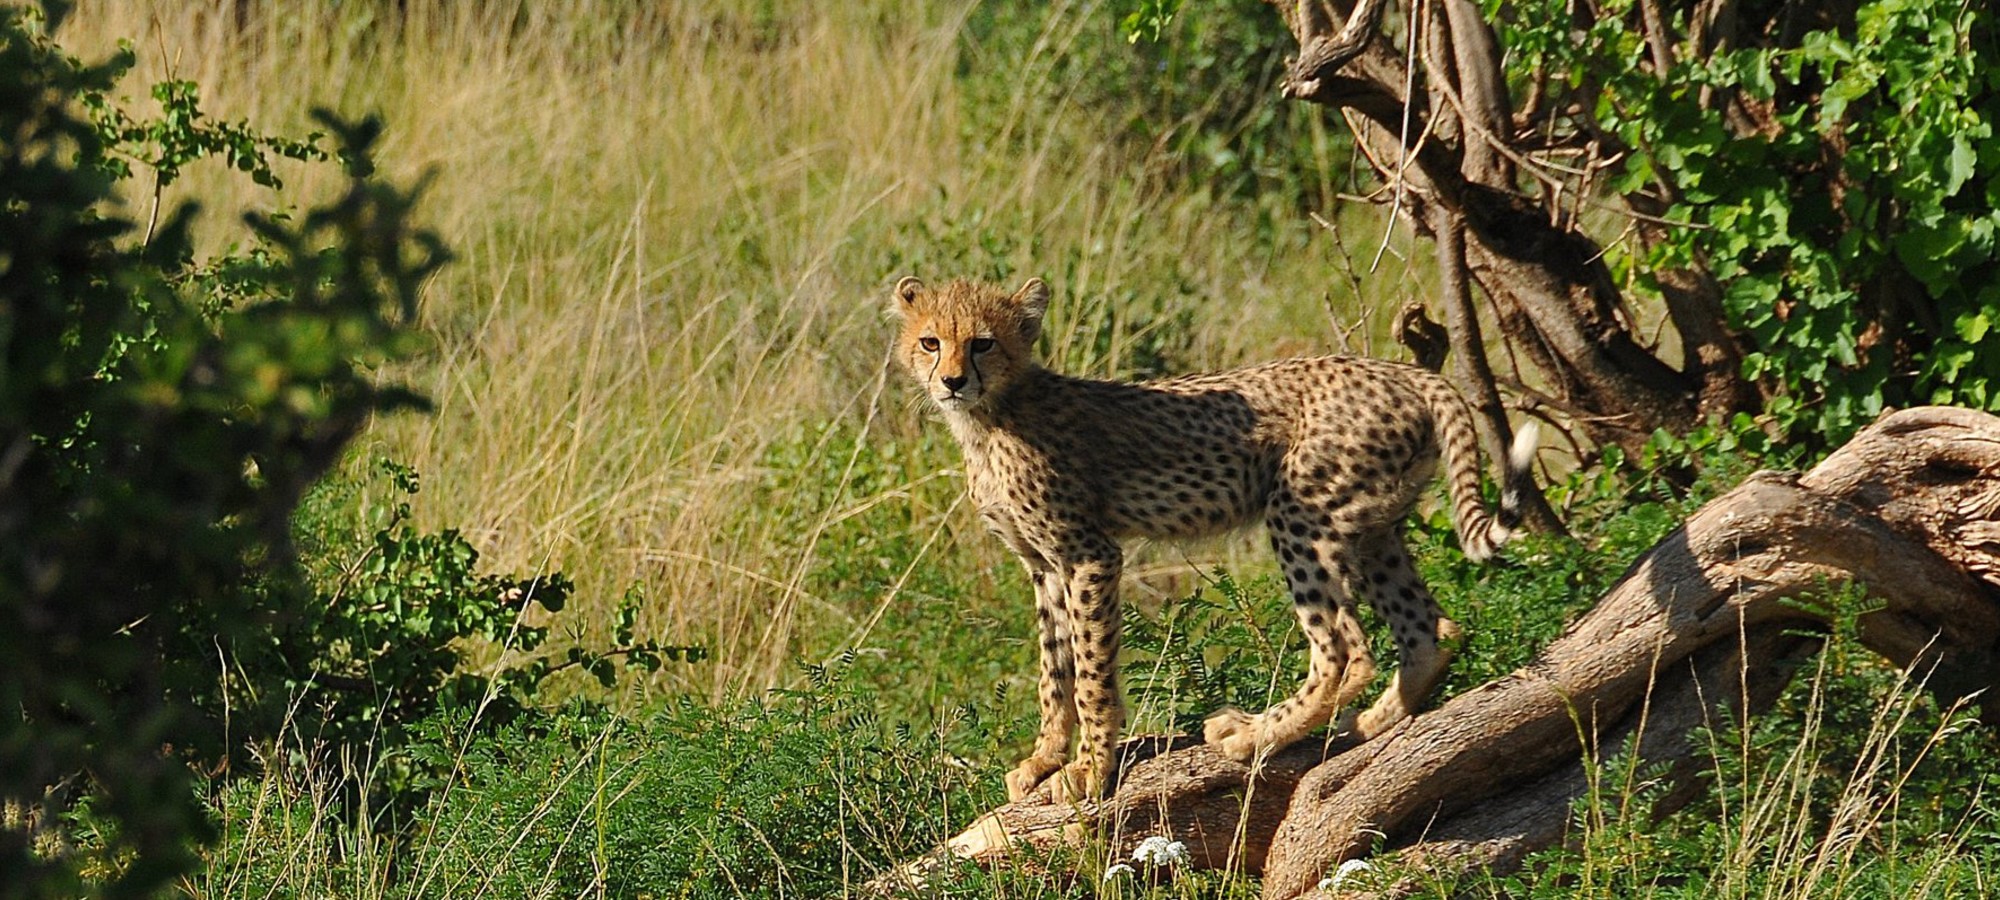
{"x":1780,"y":215}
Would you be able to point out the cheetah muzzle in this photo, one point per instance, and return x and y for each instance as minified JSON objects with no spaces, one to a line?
{"x":1330,"y":453}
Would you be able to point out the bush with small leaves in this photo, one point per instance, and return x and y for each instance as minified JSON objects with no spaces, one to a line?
{"x":155,"y":439}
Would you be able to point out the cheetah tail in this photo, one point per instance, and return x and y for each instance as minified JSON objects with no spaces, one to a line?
{"x":1516,"y":480}
{"x":1481,"y":533}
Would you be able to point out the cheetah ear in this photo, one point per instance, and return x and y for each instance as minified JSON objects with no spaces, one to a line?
{"x":907,"y":290}
{"x":1033,"y":301}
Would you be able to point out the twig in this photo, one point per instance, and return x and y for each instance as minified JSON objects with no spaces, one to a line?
{"x":1576,"y":413}
{"x":1406,"y":151}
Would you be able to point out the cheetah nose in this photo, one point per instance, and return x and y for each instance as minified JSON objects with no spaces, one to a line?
{"x":953,"y":382}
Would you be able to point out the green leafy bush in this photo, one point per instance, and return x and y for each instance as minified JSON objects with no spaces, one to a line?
{"x":1851,"y":222}
{"x":387,"y":625}
{"x":162,"y":419}
{"x":153,"y":453}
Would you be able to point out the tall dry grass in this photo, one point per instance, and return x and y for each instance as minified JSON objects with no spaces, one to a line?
{"x":675,"y":224}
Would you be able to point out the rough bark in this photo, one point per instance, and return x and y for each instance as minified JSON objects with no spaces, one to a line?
{"x":1703,"y":625}
{"x":1481,"y":94}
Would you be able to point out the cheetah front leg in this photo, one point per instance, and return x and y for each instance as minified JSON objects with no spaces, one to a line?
{"x":1058,"y":686}
{"x":1092,"y":601}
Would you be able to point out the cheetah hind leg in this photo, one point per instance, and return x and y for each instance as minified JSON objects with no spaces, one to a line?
{"x":1241,"y":736}
{"x":1341,"y":669}
{"x":1415,"y":678}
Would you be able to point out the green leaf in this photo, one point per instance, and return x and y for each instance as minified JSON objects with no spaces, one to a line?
{"x":1972,"y":326}
{"x":1929,"y":249}
{"x":1961,"y":165}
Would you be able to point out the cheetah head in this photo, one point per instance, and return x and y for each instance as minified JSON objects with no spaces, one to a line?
{"x":965,"y":342}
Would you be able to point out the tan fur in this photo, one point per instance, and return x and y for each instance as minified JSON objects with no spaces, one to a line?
{"x":1329,"y":453}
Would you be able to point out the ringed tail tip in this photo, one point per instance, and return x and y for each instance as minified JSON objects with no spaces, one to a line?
{"x":1526,"y":442}
{"x":1516,"y":479}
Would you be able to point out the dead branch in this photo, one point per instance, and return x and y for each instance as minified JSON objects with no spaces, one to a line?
{"x":1475,"y":373}
{"x":1561,"y":301}
{"x":1323,"y":51}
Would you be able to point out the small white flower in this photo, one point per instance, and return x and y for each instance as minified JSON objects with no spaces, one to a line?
{"x":1160,"y":851}
{"x":1346,"y":870}
{"x":1115,"y":870}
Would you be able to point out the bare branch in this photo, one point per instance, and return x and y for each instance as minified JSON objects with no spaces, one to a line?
{"x":1475,"y":374}
{"x":1321,"y":54}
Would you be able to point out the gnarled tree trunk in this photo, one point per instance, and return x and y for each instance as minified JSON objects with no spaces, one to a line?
{"x":1700,"y":627}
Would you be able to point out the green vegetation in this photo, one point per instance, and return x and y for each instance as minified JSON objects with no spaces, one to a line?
{"x":1851,"y":225}
{"x":756,"y":645}
{"x":157,"y":446}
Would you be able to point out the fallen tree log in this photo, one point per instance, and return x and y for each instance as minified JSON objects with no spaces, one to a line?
{"x":1711,"y":622}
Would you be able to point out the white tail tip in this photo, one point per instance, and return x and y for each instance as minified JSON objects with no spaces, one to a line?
{"x":1526,"y":442}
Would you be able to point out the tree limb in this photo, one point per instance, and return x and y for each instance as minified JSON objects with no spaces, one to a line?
{"x":1553,"y":276}
{"x":1475,"y":374}
{"x":1323,"y":51}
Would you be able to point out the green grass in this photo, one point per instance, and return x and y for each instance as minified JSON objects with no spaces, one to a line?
{"x":796,"y":794}
{"x":1855,"y":786}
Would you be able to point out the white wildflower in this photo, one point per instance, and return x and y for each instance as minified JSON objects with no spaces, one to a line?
{"x":1347,"y":870}
{"x":1115,"y":870}
{"x":1160,"y":851}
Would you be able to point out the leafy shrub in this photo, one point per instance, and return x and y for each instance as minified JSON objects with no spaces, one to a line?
{"x":402,"y":627}
{"x":154,"y":452}
{"x":1845,"y":204}
{"x":386,"y":627}
{"x":160,"y":422}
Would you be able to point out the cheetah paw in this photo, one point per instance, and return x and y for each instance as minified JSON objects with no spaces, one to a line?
{"x":1075,"y":783}
{"x":1029,"y":775}
{"x":1233,"y":733}
{"x":1372,"y":723}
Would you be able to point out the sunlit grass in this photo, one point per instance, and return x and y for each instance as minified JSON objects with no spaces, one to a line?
{"x":675,"y":226}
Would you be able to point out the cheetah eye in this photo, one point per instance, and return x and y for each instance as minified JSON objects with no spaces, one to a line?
{"x":980,"y":345}
{"x":930,"y":344}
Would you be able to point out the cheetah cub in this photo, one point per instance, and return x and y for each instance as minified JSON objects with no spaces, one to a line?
{"x":1330,"y":453}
